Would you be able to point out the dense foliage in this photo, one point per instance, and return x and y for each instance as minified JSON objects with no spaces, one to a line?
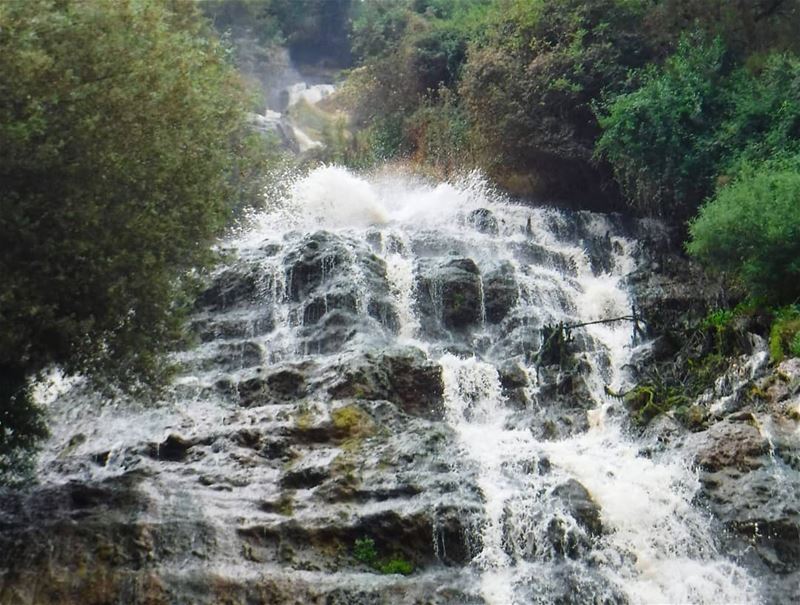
{"x":524,"y":82}
{"x":661,"y":138}
{"x":122,"y":134}
{"x":752,"y":228}
{"x":402,"y":94}
{"x":696,"y":119}
{"x":530,"y":86}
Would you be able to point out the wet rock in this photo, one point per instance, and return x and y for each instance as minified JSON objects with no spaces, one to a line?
{"x":304,"y":478}
{"x":512,"y":375}
{"x":381,"y":494}
{"x":784,"y":383}
{"x":277,"y":448}
{"x":563,"y":397}
{"x":574,"y":585}
{"x":514,"y":379}
{"x":230,"y":288}
{"x":456,"y":542}
{"x":174,"y":448}
{"x":88,"y":543}
{"x":407,"y":536}
{"x":600,"y":250}
{"x":318,"y":307}
{"x":535,"y":254}
{"x":250,"y":438}
{"x":209,"y":329}
{"x":282,"y":385}
{"x":287,"y":384}
{"x":736,"y":444}
{"x":382,"y":309}
{"x":239,"y":355}
{"x":403,"y":376}
{"x":483,"y":221}
{"x":670,"y":292}
{"x":333,"y":332}
{"x":759,"y":510}
{"x":315,"y":260}
{"x":564,"y":540}
{"x":449,"y":292}
{"x":580,"y":504}
{"x":253,"y":391}
{"x":776,"y":540}
{"x":333,"y":280}
{"x":750,"y":485}
{"x":500,"y":292}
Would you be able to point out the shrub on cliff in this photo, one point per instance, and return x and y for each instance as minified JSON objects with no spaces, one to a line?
{"x":529,"y":89}
{"x":122,"y":136}
{"x":694,"y":120}
{"x":661,"y":138}
{"x":412,"y":53}
{"x":752,"y":229}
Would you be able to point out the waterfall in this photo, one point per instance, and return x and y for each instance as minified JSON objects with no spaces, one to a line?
{"x":368,"y":365}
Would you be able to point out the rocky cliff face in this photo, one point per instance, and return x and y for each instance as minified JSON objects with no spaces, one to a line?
{"x":368,"y":416}
{"x":742,"y":435}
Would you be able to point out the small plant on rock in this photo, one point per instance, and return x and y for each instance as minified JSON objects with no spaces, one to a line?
{"x":364,"y":551}
{"x":396,"y":565}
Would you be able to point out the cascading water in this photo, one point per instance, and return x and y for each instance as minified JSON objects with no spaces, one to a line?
{"x":370,"y":366}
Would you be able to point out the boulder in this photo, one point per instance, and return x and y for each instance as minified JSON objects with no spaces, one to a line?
{"x":286,"y":384}
{"x":174,"y":448}
{"x":402,"y":376}
{"x":232,"y":287}
{"x":580,"y":505}
{"x":500,"y":292}
{"x":483,"y":221}
{"x":449,"y":293}
{"x":317,"y":307}
{"x":737,"y":444}
{"x":313,"y":261}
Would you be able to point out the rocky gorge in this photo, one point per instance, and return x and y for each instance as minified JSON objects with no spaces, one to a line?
{"x":372,"y":411}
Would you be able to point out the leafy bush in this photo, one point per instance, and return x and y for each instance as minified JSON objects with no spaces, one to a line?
{"x":695,"y":122}
{"x":412,"y":56}
{"x":752,"y":228}
{"x":397,"y":566}
{"x":765,"y":113}
{"x":784,"y":336}
{"x":115,"y":172}
{"x":661,"y":139}
{"x":794,"y":346}
{"x":749,"y":27}
{"x":22,"y":425}
{"x":440,"y":135}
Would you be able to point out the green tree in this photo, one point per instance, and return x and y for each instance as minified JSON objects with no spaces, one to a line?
{"x":121,"y":126}
{"x":694,"y":120}
{"x":661,"y":139}
{"x":752,"y":229}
